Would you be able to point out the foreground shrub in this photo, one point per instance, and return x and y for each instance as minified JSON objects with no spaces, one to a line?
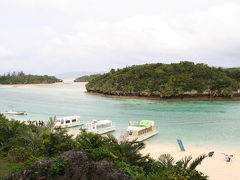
{"x":18,"y":154}
{"x":55,"y":143}
{"x":134,"y":171}
{"x":59,"y":166}
{"x":177,"y":174}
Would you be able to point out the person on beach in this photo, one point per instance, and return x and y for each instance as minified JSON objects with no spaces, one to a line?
{"x":227,"y":158}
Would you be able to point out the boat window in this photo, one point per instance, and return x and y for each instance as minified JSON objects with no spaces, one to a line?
{"x":149,"y":129}
{"x":67,"y":121}
{"x":74,"y":120}
{"x":88,"y":126}
{"x":62,"y":121}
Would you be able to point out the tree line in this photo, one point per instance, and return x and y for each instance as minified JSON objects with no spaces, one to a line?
{"x":86,"y":78}
{"x":22,"y":78}
{"x":167,"y":80}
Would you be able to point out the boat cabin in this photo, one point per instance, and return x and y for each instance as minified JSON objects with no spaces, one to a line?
{"x":100,"y":127}
{"x":69,"y":121}
{"x":140,"y":130}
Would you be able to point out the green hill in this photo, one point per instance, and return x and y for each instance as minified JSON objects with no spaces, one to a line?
{"x":86,"y":78}
{"x":21,"y":78}
{"x":168,"y":80}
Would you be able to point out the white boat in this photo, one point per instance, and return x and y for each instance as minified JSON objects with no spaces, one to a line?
{"x":99,"y":127}
{"x":70,"y":121}
{"x":139,"y":131}
{"x":11,"y":112}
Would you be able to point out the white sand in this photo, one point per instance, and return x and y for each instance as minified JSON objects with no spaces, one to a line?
{"x":27,"y":85}
{"x":49,"y":84}
{"x":215,"y":167}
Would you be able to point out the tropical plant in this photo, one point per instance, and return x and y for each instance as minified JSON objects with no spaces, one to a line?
{"x":55,"y":143}
{"x":51,"y":123}
{"x":27,"y":143}
{"x":180,"y":170}
{"x":167,"y":161}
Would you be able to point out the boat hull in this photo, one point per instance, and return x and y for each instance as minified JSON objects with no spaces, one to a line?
{"x":103,"y":131}
{"x":69,"y":126}
{"x":142,"y":137}
{"x":16,"y":113}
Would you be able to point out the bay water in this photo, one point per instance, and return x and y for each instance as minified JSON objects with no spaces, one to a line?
{"x":198,"y":123}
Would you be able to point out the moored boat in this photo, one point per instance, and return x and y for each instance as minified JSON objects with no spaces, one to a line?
{"x":66,"y":122}
{"x":99,"y":127}
{"x":12,"y":112}
{"x":139,"y":131}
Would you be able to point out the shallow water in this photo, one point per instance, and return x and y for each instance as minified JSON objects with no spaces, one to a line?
{"x":198,"y":123}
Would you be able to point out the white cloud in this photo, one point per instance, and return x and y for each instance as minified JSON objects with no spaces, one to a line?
{"x":94,"y":40}
{"x":203,"y":33}
{"x":5,"y":52}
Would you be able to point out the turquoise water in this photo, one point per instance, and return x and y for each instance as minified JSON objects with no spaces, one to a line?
{"x":213,"y":123}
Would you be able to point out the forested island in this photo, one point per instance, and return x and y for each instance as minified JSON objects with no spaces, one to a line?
{"x":86,"y":78}
{"x":176,"y":80}
{"x":22,"y":78}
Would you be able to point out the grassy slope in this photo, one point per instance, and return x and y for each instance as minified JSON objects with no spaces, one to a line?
{"x":7,"y":168}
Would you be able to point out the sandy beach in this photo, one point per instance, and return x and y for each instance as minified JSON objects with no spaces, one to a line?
{"x":27,"y":85}
{"x":215,"y":167}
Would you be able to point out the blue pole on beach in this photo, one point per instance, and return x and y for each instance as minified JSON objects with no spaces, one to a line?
{"x":180,"y":144}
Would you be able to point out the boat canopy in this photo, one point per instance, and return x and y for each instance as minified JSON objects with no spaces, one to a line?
{"x":68,"y":117}
{"x":146,"y":123}
{"x":102,"y":122}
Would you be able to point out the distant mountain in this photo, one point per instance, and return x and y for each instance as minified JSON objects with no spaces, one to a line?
{"x":73,"y":75}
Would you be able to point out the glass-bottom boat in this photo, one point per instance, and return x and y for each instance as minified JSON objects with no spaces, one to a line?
{"x":99,"y":127}
{"x":70,"y":121}
{"x":139,"y":131}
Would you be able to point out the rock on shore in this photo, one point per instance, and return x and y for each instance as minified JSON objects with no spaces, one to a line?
{"x":79,"y":167}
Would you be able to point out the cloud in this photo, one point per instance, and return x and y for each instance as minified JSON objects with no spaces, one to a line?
{"x":60,"y":5}
{"x":210,"y":33}
{"x":5,"y":52}
{"x":77,"y":40}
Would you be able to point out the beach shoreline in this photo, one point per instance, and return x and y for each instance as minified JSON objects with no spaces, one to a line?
{"x":29,"y":85}
{"x":215,"y":167}
{"x":165,"y":99}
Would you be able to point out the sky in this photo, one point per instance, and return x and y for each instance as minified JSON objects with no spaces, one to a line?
{"x":58,"y":36}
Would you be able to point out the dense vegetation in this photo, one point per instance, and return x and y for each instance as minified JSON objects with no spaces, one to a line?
{"x":168,"y":80}
{"x":25,"y":144}
{"x":86,"y":78}
{"x":21,"y":78}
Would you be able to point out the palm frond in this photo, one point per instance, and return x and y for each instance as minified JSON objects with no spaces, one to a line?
{"x":197,"y":161}
{"x":166,"y":160}
{"x":51,"y":123}
{"x":185,"y":161}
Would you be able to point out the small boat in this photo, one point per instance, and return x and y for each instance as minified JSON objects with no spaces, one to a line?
{"x":99,"y":127}
{"x":66,"y":122}
{"x":139,"y":131}
{"x":12,"y":112}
